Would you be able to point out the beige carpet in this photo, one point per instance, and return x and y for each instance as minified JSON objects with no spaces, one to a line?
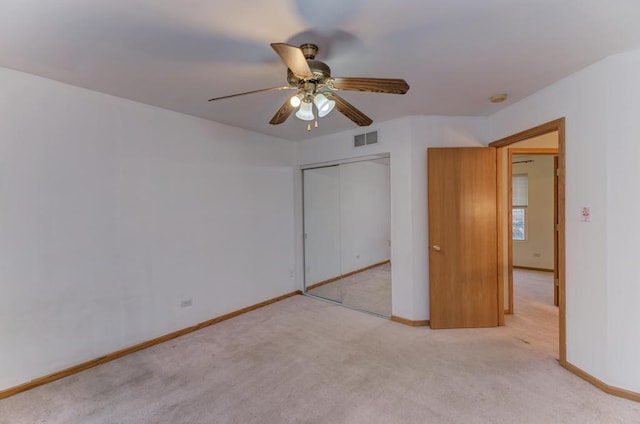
{"x":534,"y":314}
{"x":369,"y":290}
{"x":307,"y":361}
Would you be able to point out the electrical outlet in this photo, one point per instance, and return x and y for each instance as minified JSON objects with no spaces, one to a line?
{"x":186,"y":303}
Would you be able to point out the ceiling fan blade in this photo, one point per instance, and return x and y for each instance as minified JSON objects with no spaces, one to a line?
{"x":283,"y":113}
{"x":294,"y":59}
{"x":376,"y":85}
{"x":349,"y":110}
{"x":286,"y":87}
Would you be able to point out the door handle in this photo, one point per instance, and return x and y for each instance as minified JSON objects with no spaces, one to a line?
{"x":435,"y":247}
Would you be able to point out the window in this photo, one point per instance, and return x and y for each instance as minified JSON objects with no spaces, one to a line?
{"x":518,"y":224}
{"x":519,"y":203}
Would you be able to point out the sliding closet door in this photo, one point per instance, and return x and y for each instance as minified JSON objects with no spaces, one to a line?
{"x":321,"y":225}
{"x":347,"y":234}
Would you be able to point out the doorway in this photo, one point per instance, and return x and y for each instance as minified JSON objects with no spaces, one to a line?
{"x":531,"y":208}
{"x":557,"y":129}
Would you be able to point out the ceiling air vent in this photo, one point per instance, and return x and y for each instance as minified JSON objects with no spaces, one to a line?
{"x":365,"y":139}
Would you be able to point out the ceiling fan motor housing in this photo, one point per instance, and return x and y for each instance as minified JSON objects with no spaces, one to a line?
{"x":320,"y":70}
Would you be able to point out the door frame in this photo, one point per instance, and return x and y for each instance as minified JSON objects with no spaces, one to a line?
{"x":559,"y":126}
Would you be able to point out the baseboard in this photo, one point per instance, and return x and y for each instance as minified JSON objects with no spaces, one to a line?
{"x":532,"y":268}
{"x":135,"y":348}
{"x":324,"y":282}
{"x":612,"y":390}
{"x":348,"y":274}
{"x":412,"y":323}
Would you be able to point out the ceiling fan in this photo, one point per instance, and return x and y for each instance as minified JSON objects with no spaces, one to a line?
{"x":315,"y":86}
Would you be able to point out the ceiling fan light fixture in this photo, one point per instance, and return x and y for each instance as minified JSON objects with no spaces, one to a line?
{"x":306,"y":111}
{"x":323,"y":104}
{"x":295,"y":100}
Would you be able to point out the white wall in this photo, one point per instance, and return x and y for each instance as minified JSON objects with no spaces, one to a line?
{"x":113,"y":212}
{"x":537,"y":250}
{"x":601,"y":107}
{"x":406,"y":140}
{"x":623,"y":231}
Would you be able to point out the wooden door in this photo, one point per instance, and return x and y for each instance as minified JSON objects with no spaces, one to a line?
{"x":463,"y":251}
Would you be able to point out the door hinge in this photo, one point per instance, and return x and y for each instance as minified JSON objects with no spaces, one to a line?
{"x":557,"y":172}
{"x":557,"y":227}
{"x":556,"y":281}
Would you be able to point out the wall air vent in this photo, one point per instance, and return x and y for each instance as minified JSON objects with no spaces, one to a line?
{"x":365,"y":139}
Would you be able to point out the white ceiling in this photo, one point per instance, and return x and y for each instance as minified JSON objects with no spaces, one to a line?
{"x":454,"y":54}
